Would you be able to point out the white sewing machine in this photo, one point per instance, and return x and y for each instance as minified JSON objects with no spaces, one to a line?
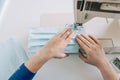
{"x":84,"y":10}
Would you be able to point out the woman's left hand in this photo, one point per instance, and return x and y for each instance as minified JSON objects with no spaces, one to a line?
{"x":56,"y":45}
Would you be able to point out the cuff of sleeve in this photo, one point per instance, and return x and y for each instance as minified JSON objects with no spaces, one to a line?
{"x":22,"y":74}
{"x":28,"y":74}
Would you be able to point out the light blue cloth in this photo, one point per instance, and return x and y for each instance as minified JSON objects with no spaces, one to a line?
{"x":1,"y":4}
{"x":39,"y":36}
{"x":12,"y":55}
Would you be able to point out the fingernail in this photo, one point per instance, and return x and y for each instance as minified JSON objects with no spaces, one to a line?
{"x":80,"y":34}
{"x":84,"y":35}
{"x":68,"y":32}
{"x":77,"y":36}
{"x":69,"y":28}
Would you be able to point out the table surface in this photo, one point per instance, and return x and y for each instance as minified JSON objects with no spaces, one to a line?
{"x":20,"y":16}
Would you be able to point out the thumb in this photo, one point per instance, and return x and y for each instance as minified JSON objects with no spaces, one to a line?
{"x":62,"y":55}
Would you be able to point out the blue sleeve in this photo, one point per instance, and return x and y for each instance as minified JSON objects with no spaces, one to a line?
{"x":22,"y":74}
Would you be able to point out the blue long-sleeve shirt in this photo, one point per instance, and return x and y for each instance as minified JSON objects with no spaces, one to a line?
{"x":22,"y":74}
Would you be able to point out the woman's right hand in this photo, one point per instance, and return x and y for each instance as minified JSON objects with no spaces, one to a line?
{"x":93,"y":48}
{"x":96,"y":56}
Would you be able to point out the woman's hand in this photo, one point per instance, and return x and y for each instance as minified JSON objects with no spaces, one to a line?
{"x":55,"y":46}
{"x":93,"y":48}
{"x":96,"y":56}
{"x":53,"y":49}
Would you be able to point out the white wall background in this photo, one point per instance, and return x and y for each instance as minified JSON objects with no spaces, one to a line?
{"x":24,"y":14}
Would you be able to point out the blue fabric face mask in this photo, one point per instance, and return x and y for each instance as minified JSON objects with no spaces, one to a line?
{"x":39,"y":37}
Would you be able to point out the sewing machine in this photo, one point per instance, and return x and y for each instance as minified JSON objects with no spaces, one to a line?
{"x":85,"y":10}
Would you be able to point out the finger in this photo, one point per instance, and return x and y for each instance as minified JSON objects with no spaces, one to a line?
{"x":69,"y":37}
{"x":94,"y":38}
{"x":84,"y":46}
{"x":61,"y":55}
{"x":86,"y":42}
{"x":58,"y":34}
{"x":63,"y":32}
{"x":66,"y":33}
{"x":82,"y":57}
{"x":89,"y":39}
